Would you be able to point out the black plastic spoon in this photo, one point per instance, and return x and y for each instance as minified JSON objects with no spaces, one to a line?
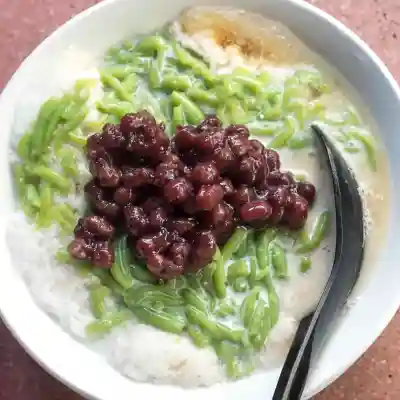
{"x":344,"y":274}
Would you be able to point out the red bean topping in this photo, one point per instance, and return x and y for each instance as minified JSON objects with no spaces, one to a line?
{"x":190,"y":206}
{"x":177,"y":199}
{"x":209,"y":143}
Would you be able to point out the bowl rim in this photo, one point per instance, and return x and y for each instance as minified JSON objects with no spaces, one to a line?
{"x":385,"y":316}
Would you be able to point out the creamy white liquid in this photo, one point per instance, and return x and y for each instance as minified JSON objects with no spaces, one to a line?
{"x":201,"y":30}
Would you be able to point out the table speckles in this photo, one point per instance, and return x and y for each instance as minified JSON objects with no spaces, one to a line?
{"x":25,"y":23}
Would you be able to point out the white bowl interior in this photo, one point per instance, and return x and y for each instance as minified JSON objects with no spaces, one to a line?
{"x":76,"y":46}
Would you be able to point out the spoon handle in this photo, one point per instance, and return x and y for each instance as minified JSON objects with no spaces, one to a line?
{"x":346,"y":267}
{"x":294,"y":374}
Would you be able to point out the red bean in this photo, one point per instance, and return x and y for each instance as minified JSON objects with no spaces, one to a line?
{"x":98,"y":226}
{"x":179,"y":252}
{"x":78,"y":249}
{"x":136,"y":177}
{"x":103,"y":257}
{"x":94,"y":146}
{"x":108,"y":175}
{"x":81,"y":232}
{"x":243,"y":194}
{"x":178,"y":190}
{"x":152,"y":203}
{"x":248,"y":170}
{"x":227,"y":186}
{"x":158,"y":217}
{"x":276,"y":215}
{"x":186,"y":137}
{"x":190,"y":206}
{"x":209,"y":196}
{"x":144,"y":137}
{"x":224,"y":230}
{"x":162,"y":267}
{"x":272,"y":159}
{"x":172,"y":161}
{"x":136,"y":220}
{"x":240,"y":130}
{"x":221,"y":212}
{"x":255,"y":211}
{"x":209,"y":141}
{"x":205,"y":173}
{"x":112,"y":137}
{"x":306,"y":190}
{"x":279,"y":196}
{"x":210,"y":122}
{"x":203,"y":249}
{"x":275,"y":178}
{"x":154,"y":243}
{"x":107,"y":209}
{"x":132,"y":122}
{"x":124,"y":196}
{"x":165,"y":173}
{"x":182,"y":225}
{"x":224,"y":158}
{"x":240,"y":145}
{"x":296,"y":215}
{"x":93,"y":192}
{"x":257,"y":148}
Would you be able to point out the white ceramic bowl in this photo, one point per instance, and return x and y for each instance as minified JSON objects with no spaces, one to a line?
{"x":76,"y":46}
